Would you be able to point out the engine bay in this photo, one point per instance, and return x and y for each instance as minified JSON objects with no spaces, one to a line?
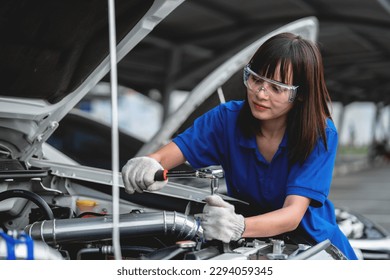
{"x":57,"y":213}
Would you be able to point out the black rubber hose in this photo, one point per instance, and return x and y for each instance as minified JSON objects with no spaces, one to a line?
{"x":39,"y":201}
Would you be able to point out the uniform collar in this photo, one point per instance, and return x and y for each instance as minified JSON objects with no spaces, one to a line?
{"x":247,"y":142}
{"x":283,"y":143}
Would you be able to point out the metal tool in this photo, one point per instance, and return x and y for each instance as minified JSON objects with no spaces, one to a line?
{"x":213,"y":174}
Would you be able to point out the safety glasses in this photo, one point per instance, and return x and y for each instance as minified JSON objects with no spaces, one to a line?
{"x":274,"y":89}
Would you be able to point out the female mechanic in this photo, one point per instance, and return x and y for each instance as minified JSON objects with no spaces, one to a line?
{"x":277,"y":149}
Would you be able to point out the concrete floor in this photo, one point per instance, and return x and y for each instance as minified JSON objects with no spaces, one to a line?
{"x":365,"y":191}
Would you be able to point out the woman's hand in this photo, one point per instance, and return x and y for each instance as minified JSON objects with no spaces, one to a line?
{"x":219,"y":221}
{"x":138,"y":175}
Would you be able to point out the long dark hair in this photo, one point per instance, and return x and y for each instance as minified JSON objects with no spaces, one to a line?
{"x":306,"y":121}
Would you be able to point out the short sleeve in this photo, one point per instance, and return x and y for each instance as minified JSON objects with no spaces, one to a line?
{"x":201,"y":144}
{"x":313,"y":178}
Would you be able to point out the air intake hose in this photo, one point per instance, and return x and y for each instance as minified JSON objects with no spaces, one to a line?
{"x":100,"y":228}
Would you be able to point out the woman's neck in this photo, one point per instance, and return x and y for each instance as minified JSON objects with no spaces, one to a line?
{"x":271,"y":129}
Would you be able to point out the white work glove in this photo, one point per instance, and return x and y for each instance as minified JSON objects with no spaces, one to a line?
{"x":138,"y":175}
{"x":219,"y":221}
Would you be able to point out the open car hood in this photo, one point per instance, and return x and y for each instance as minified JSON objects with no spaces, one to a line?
{"x":52,"y":54}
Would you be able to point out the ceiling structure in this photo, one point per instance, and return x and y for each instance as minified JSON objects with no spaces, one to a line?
{"x":197,"y":37}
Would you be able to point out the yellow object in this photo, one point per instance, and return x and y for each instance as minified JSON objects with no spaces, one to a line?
{"x":86,"y":203}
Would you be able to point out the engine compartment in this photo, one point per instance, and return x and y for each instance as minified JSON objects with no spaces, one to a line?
{"x":57,"y":214}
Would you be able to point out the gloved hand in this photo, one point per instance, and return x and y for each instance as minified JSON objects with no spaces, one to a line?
{"x":219,"y":221}
{"x":138,"y":175}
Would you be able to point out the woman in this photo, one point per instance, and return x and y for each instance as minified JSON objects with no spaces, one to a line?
{"x":277,"y":149}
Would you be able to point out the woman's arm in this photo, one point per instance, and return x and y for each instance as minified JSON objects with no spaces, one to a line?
{"x":279,"y":221}
{"x":169,"y":156}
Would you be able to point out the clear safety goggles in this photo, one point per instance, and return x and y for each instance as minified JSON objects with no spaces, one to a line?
{"x":276,"y":90}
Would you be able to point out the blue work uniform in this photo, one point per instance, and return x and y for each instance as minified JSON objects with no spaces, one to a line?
{"x":216,"y":139}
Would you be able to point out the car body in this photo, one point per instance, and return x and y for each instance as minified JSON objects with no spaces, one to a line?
{"x":370,"y":240}
{"x":65,"y":209}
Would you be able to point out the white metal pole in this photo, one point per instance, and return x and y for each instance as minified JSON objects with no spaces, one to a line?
{"x":114,"y":132}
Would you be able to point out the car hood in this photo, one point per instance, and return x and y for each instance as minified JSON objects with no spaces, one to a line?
{"x":52,"y":54}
